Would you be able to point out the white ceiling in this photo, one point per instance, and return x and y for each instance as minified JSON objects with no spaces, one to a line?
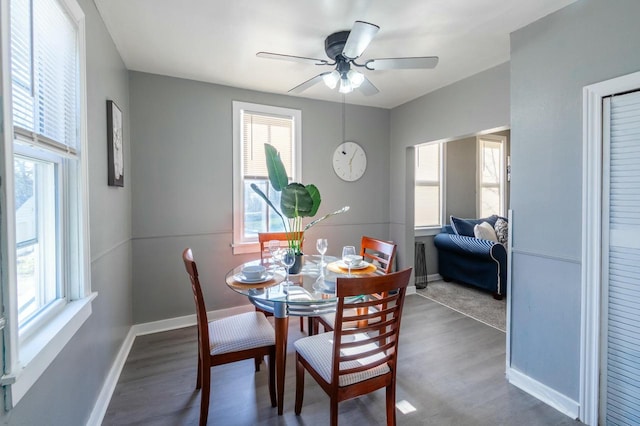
{"x":217,"y":41}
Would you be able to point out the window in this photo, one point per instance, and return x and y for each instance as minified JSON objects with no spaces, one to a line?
{"x":48,"y":264}
{"x":253,"y":126}
{"x":429,"y":198}
{"x":491,"y":175}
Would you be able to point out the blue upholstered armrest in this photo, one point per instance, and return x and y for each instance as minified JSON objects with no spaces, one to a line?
{"x":470,"y":246}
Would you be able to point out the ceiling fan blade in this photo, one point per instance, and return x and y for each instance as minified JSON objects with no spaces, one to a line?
{"x":359,"y":38}
{"x":402,"y":63}
{"x":367,"y":88}
{"x":307,"y":84}
{"x":291,"y":58}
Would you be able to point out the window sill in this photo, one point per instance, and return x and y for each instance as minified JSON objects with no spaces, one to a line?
{"x":427,"y":231}
{"x":246,"y":248}
{"x":39,"y":351}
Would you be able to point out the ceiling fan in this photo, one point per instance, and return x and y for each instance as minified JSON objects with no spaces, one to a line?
{"x":343,"y":48}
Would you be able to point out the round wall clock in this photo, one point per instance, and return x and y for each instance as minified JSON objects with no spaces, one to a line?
{"x":349,"y":161}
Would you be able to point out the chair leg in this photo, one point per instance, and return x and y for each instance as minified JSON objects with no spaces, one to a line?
{"x":299,"y":385}
{"x":199,"y":373}
{"x":333,"y":411}
{"x":272,"y":376}
{"x":310,"y":325}
{"x":257,"y":361}
{"x":391,"y":405}
{"x":301,"y":324}
{"x":204,"y":397}
{"x":316,"y":326}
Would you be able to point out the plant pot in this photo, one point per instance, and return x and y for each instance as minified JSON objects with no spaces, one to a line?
{"x":297,"y":266}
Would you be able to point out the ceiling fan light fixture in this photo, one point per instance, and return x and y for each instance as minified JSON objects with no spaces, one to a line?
{"x":331,"y":79}
{"x":355,"y":78}
{"x":345,"y":86}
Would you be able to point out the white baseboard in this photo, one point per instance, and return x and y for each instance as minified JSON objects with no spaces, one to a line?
{"x":544,"y":393}
{"x":433,"y":277}
{"x":101,"y":405}
{"x":187,"y":320}
{"x":109,"y":385}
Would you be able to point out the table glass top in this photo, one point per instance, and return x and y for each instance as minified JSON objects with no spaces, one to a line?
{"x":311,"y":286}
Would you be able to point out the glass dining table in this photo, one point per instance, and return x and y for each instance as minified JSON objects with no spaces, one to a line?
{"x":310,"y":293}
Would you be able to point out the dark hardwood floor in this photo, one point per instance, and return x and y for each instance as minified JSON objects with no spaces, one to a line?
{"x":451,"y":371}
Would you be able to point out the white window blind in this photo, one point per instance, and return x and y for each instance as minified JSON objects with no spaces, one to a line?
{"x":259,"y":129}
{"x":428,"y":185}
{"x":621,"y":257}
{"x":45,"y":74}
{"x":491,"y":176}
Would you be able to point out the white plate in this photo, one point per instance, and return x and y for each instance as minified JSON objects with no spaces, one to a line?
{"x":242,"y":279}
{"x":361,"y":265}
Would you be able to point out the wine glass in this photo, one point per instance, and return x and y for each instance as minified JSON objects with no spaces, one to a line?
{"x":321,"y":246}
{"x":274,"y":246}
{"x":288,"y":259}
{"x":349,"y":256}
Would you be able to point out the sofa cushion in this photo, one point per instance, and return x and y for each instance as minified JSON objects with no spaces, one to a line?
{"x":485,"y":231}
{"x":465,"y":226}
{"x":502,"y":230}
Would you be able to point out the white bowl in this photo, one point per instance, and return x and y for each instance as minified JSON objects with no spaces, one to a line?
{"x":253,"y":272}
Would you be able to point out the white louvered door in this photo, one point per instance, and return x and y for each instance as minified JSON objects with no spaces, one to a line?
{"x":620,"y":347}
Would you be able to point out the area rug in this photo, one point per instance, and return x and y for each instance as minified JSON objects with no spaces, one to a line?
{"x":469,"y":301}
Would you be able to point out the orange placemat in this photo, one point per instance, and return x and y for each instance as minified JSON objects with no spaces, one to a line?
{"x":338,"y":269}
{"x":277,"y":279}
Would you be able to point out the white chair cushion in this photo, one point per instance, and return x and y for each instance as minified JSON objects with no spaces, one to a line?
{"x":318,"y":352}
{"x":240,"y":332}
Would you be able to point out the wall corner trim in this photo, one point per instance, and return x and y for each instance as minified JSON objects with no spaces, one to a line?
{"x":544,"y":393}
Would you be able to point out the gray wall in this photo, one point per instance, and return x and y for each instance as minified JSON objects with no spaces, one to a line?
{"x":182,"y":189}
{"x":461,"y":170}
{"x":453,"y":112}
{"x":551,"y":60}
{"x":66,"y":393}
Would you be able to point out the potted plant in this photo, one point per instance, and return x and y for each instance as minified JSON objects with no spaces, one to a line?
{"x":296,"y":202}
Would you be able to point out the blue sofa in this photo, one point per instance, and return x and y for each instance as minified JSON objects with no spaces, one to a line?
{"x":473,"y":261}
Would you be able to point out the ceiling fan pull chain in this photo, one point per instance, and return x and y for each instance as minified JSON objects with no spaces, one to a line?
{"x":344,"y":118}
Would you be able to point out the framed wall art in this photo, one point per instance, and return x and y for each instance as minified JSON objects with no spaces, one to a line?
{"x":115,"y":147}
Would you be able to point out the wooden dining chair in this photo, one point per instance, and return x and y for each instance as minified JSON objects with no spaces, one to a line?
{"x":234,"y":338}
{"x":352,"y":361}
{"x":378,"y":252}
{"x":263,"y":239}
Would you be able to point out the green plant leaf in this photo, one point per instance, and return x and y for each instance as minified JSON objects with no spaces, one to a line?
{"x":326,"y":216}
{"x":269,"y":203}
{"x":315,"y":196}
{"x":296,"y":201}
{"x":277,"y":172}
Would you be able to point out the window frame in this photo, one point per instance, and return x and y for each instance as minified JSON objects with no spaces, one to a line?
{"x":240,"y":245}
{"x":28,"y":354}
{"x":502,"y":185}
{"x":421,"y":231}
